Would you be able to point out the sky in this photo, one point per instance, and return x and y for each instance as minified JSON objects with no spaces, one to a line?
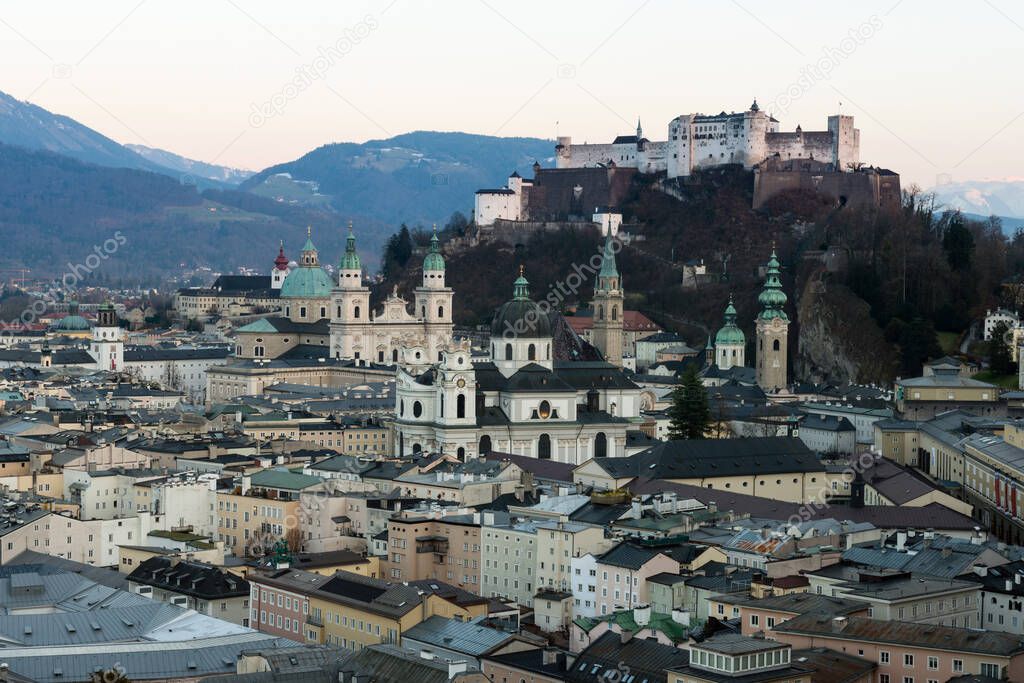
{"x":935,"y":87}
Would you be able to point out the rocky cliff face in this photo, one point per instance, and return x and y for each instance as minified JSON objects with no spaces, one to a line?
{"x":838,"y":340}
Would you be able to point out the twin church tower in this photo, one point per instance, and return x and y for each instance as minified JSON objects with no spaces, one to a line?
{"x":729,"y":350}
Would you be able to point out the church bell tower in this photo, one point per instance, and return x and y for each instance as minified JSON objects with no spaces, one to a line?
{"x":772,"y":332}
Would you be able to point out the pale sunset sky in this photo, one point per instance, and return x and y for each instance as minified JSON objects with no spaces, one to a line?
{"x":935,"y":86}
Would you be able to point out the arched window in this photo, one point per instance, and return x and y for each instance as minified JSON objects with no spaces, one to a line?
{"x":531,"y":352}
{"x":380,"y":356}
{"x":355,"y":312}
{"x":508,"y":352}
{"x":544,"y":447}
{"x":416,"y":448}
{"x":600,"y":445}
{"x":460,"y":406}
{"x":460,"y":453}
{"x":544,"y":410}
{"x":440,"y":311}
{"x":323,"y":312}
{"x":600,"y":312}
{"x":401,"y":408}
{"x":302,"y":311}
{"x":775,"y":345}
{"x":442,"y":405}
{"x":339,"y":312}
{"x":423,"y":311}
{"x":615,"y":312}
{"x":485,"y":444}
{"x":394,"y":355}
{"x":417,"y":409}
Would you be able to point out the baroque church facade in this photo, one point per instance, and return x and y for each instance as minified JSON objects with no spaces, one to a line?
{"x":521,"y":398}
{"x":321,"y":318}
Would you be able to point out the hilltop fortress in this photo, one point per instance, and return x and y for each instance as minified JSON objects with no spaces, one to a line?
{"x":699,"y":141}
{"x":590,"y":180}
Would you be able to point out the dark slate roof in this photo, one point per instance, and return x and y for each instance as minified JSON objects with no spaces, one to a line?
{"x":826,"y":423}
{"x":198,"y":580}
{"x":536,"y":378}
{"x":932,"y":516}
{"x":150,"y":353}
{"x":603,"y":515}
{"x":578,"y":375}
{"x":646,"y":659}
{"x":692,"y":459}
{"x":241,"y":283}
{"x":392,"y":664}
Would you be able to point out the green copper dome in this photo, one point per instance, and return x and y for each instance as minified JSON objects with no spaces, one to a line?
{"x":730,"y":332}
{"x":434,"y":260}
{"x":521,"y":317}
{"x":308,"y":281}
{"x":72,"y":322}
{"x":350,"y":260}
{"x":772,"y":298}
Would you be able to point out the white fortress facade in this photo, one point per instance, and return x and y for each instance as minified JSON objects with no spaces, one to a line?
{"x":699,"y":141}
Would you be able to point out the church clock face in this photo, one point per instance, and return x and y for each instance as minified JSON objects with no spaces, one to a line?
{"x":461,"y":383}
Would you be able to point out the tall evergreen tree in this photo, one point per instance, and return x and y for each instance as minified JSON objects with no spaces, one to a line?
{"x":689,"y":415}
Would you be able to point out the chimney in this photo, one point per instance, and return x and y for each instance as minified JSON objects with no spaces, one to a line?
{"x":681,"y":617}
{"x":625,"y":637}
{"x":839,"y":623}
{"x":642,"y":615}
{"x":981,"y":570}
{"x":901,"y":540}
{"x":947,"y":551}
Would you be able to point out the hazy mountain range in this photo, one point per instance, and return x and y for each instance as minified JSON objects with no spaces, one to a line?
{"x":191,"y":167}
{"x":984,"y":198}
{"x":417,"y":178}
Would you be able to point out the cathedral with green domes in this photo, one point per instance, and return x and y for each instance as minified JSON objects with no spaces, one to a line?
{"x":324,"y":318}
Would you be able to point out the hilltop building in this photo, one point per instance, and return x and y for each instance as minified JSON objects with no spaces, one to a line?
{"x":702,"y":141}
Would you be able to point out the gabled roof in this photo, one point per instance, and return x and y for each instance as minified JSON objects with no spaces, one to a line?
{"x":647,"y":660}
{"x":466,"y":638}
{"x":692,"y":459}
{"x":945,"y":638}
